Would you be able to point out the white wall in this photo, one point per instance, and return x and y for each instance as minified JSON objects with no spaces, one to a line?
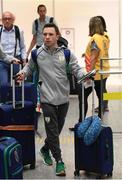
{"x":25,"y":12}
{"x":76,"y":14}
{"x":70,"y":14}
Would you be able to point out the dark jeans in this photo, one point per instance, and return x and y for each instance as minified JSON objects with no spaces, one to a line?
{"x":54,"y":118}
{"x":87,"y":92}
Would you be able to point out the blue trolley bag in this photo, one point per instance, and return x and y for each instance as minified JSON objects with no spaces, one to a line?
{"x":17,"y":120}
{"x":97,"y":157}
{"x":30,"y":91}
{"x":11,"y":166}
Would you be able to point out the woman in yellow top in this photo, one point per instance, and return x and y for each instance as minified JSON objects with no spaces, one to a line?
{"x":97,"y":48}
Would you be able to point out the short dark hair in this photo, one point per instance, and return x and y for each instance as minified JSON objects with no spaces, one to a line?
{"x":103,"y":22}
{"x":40,"y":6}
{"x":52,"y":25}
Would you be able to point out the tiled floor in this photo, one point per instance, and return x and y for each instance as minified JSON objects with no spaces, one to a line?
{"x":113,"y":118}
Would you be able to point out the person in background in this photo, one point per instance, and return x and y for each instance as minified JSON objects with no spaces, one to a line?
{"x":88,"y":56}
{"x":37,"y":39}
{"x":97,"y":48}
{"x":106,"y":109}
{"x":54,"y":88}
{"x":37,"y":27}
{"x":11,"y":45}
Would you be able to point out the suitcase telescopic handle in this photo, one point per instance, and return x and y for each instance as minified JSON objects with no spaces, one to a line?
{"x":83,"y":104}
{"x":13,"y":84}
{"x":93,"y":105}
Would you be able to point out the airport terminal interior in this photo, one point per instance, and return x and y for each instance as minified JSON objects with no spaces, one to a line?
{"x":111,"y":118}
{"x":73,"y":16}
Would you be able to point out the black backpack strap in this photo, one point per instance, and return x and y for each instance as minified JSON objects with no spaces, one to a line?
{"x":51,"y":19}
{"x":1,"y":28}
{"x":17,"y":36}
{"x":36,"y":24}
{"x":17,"y":32}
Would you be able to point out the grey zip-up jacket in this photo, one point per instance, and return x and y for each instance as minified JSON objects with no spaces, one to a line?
{"x":55,"y":87}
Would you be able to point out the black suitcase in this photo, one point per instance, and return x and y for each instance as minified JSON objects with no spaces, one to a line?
{"x":17,"y":120}
{"x":97,"y":157}
{"x":11,"y":166}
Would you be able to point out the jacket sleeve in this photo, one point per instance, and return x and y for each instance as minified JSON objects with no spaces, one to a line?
{"x":29,"y":68}
{"x":77,"y":70}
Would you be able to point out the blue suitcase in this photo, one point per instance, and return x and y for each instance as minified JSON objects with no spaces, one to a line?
{"x":30,"y":92}
{"x":10,"y":159}
{"x":19,"y":123}
{"x":96,"y":158}
{"x":17,"y":120}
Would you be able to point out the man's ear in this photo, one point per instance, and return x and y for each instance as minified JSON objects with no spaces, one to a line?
{"x":57,"y":37}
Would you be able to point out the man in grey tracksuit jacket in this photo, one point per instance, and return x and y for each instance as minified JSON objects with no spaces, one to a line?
{"x":54,"y":90}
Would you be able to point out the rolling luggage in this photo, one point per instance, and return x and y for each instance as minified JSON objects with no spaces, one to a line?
{"x":17,"y":120}
{"x":30,"y":91}
{"x":10,"y":159}
{"x":96,"y":157}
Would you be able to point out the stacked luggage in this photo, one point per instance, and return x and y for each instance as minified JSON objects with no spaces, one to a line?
{"x":96,"y":157}
{"x":17,"y":118}
{"x":11,"y":166}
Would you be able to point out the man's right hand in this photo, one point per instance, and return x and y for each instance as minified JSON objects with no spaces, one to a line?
{"x":20,"y":76}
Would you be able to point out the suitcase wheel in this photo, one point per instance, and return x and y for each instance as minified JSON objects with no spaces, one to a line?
{"x":101,"y":176}
{"x":32,"y":166}
{"x":110,"y":174}
{"x":76,"y":172}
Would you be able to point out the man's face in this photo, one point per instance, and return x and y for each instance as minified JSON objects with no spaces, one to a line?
{"x":50,"y":37}
{"x":42,"y":12}
{"x":7,"y":20}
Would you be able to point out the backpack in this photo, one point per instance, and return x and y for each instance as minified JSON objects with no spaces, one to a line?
{"x":61,"y":40}
{"x":70,"y":75}
{"x":17,"y":36}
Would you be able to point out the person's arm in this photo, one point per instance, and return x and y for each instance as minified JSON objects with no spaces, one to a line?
{"x":93,"y":58}
{"x":26,"y":71}
{"x":34,"y":39}
{"x":32,"y":44}
{"x":76,"y":68}
{"x":94,"y":54}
